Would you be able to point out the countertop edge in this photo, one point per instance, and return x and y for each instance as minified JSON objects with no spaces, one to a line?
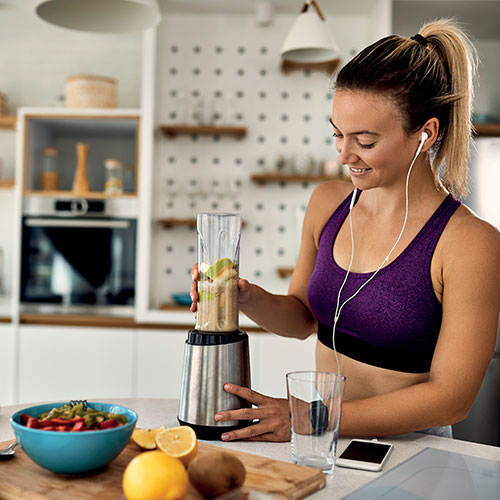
{"x":174,"y":321}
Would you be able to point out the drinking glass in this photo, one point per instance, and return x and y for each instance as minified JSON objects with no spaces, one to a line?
{"x":314,"y":399}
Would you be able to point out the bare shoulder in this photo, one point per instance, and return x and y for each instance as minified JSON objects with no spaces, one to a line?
{"x":468,"y":237}
{"x":324,"y":200}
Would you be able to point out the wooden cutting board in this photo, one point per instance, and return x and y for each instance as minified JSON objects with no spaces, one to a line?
{"x":22,"y":479}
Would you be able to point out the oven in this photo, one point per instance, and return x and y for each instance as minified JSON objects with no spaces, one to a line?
{"x":78,"y":256}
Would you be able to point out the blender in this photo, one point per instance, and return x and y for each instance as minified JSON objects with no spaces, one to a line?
{"x":216,"y":350}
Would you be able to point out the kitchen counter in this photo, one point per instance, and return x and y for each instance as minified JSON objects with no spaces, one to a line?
{"x":157,"y":412}
{"x":179,"y":317}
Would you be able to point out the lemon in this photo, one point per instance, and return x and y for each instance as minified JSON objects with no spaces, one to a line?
{"x":145,"y":438}
{"x":152,"y":475}
{"x":179,"y":442}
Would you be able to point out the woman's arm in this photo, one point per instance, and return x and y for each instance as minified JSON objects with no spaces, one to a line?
{"x":290,"y":315}
{"x":471,"y":302}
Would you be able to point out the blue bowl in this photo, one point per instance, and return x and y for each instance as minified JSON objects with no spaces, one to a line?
{"x":73,"y":452}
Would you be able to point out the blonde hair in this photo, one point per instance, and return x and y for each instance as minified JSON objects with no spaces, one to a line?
{"x":428,"y":75}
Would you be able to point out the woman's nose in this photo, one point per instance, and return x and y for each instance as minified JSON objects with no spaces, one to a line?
{"x":346,"y":156}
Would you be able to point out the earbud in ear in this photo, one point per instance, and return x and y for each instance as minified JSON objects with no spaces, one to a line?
{"x":424,"y":136}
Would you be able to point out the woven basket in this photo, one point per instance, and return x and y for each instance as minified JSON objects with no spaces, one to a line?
{"x":88,"y":91}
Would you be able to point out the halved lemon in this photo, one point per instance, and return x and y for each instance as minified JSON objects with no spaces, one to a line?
{"x":179,"y":442}
{"x":145,"y":438}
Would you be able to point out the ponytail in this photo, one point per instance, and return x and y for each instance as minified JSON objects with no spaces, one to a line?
{"x":452,"y":46}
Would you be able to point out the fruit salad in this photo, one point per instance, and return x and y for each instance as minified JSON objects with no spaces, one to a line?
{"x":68,"y":418}
{"x":218,"y":297}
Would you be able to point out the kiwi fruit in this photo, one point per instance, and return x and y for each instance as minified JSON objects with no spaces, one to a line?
{"x":215,"y":473}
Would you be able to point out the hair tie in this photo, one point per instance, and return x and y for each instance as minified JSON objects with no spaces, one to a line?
{"x":420,"y":39}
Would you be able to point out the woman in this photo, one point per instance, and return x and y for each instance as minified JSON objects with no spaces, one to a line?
{"x":414,"y":343}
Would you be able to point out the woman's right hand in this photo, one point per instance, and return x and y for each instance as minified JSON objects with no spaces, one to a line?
{"x":243,"y":288}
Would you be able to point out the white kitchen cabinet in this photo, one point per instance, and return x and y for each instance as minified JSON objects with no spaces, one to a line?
{"x":160,"y":356}
{"x":272,"y":357}
{"x":62,"y":363}
{"x":7,"y":364}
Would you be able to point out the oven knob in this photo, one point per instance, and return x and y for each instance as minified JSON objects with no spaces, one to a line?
{"x":79,"y":207}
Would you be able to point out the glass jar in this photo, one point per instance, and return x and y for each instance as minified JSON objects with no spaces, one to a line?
{"x":50,"y":176}
{"x":114,"y":176}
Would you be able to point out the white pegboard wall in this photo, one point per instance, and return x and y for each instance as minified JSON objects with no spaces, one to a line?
{"x":286,"y":115}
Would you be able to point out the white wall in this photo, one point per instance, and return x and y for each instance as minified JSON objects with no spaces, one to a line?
{"x":36,"y":57}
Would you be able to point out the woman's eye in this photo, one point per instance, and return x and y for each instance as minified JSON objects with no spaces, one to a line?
{"x":367,"y":146}
{"x":337,"y":135}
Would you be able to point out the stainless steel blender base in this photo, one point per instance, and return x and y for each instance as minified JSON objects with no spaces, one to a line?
{"x":210,"y":361}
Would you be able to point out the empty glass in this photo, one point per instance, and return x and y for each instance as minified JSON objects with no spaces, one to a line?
{"x":315,"y":399}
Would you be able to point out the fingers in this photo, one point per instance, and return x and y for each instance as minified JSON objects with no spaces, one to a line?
{"x":193,"y":292}
{"x":240,"y":414}
{"x":262,"y":431}
{"x":195,"y":274}
{"x":245,"y":393}
{"x":250,"y":432}
{"x":243,"y":284}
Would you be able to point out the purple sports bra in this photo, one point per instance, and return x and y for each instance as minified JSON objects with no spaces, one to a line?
{"x":394,"y":321}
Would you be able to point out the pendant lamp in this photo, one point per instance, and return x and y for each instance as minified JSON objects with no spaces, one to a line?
{"x":100,"y":16}
{"x":310,"y":43}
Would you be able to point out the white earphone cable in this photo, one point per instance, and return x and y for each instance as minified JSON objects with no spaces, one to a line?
{"x":338,"y":307}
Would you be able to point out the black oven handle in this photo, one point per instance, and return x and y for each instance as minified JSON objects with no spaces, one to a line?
{"x":105,"y":224}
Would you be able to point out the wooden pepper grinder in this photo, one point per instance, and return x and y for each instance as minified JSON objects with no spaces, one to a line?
{"x":81,"y":180}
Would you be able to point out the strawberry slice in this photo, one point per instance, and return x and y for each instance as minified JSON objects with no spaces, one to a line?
{"x":32,"y":423}
{"x":107,"y":424}
{"x":42,"y":424}
{"x":79,"y":426}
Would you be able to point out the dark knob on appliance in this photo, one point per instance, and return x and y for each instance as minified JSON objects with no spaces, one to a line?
{"x":79,"y":206}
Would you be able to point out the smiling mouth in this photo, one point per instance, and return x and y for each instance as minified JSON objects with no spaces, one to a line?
{"x":359,"y":170}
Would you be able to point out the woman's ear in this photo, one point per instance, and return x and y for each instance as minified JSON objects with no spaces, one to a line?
{"x":431,"y":128}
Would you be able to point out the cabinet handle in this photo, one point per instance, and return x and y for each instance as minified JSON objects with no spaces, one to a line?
{"x":107,"y":224}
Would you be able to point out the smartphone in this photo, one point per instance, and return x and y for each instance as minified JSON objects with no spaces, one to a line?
{"x":365,"y":455}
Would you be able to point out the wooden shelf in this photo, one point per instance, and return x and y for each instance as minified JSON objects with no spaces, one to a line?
{"x":8,"y":121}
{"x":266,"y":178}
{"x":173,"y":130}
{"x":284,"y":272}
{"x":173,"y":307}
{"x":71,"y":194}
{"x":7,"y":183}
{"x":169,"y":222}
{"x":487,"y":129}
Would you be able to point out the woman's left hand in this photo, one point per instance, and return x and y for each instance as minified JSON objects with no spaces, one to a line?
{"x":272,"y":415}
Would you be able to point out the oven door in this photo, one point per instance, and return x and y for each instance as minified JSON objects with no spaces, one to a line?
{"x":71,"y":265}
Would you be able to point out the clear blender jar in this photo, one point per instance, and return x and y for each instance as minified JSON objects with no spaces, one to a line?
{"x":218,"y":264}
